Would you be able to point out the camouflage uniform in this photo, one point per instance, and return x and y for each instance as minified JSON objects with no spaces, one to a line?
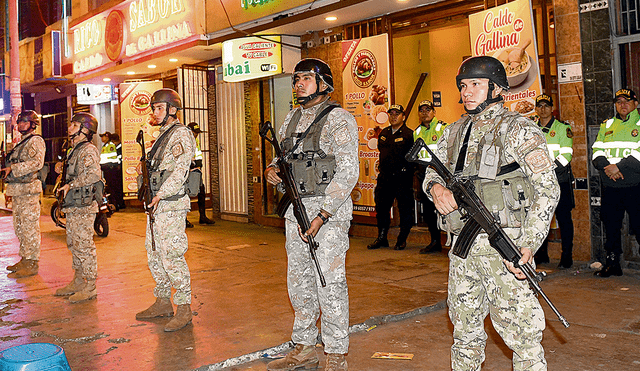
{"x":83,"y":169}
{"x":167,"y":263}
{"x":26,"y":162}
{"x":481,"y":284}
{"x":339,"y":137}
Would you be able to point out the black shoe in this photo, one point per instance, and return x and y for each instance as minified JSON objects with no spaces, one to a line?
{"x":378,"y":243}
{"x":400,"y":245}
{"x":434,"y":246}
{"x":541,"y":259}
{"x":206,"y":220}
{"x":189,"y":224}
{"x":609,"y":270}
{"x":565,"y":263}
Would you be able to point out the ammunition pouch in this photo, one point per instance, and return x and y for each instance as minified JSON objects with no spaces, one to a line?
{"x":312,"y":174}
{"x":194,"y":181}
{"x":84,"y":196}
{"x":157,"y":179}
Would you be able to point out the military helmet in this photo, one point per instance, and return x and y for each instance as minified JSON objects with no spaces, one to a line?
{"x":86,"y":120}
{"x":29,"y":116}
{"x":483,"y":67}
{"x":320,"y":68}
{"x":168,"y":96}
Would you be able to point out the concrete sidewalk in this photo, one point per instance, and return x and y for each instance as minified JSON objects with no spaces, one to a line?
{"x":241,"y":306}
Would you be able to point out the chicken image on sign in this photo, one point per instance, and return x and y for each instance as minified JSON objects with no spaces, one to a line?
{"x":251,"y":58}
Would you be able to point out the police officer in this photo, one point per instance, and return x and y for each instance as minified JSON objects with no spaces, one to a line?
{"x":23,"y":164}
{"x":170,"y":158}
{"x":560,"y":143}
{"x":616,"y":155}
{"x":196,"y":165}
{"x":430,"y":130}
{"x":494,"y":147}
{"x":109,"y":164}
{"x":331,"y":144}
{"x":81,"y":192}
{"x":395,"y":180}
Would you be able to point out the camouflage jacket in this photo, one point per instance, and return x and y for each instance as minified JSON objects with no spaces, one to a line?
{"x":524,"y":144}
{"x":339,"y":137}
{"x":175,"y":159}
{"x":83,"y":169}
{"x":30,"y":160}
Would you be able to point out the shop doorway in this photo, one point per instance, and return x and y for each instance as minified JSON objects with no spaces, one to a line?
{"x":232,"y":155}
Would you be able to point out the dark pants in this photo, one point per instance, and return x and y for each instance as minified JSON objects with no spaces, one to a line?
{"x":113,"y":178}
{"x":389,"y":189}
{"x":201,"y":200}
{"x":563,"y":216}
{"x":615,"y":201}
{"x":429,"y":214}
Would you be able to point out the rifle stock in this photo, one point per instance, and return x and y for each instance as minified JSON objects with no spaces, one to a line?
{"x":292,"y":196}
{"x":144,"y":193}
{"x":479,"y":217}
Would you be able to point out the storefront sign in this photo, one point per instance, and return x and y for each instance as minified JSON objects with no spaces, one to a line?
{"x":242,"y":11}
{"x":93,"y":94}
{"x":569,"y":72}
{"x":135,"y":110}
{"x":132,"y":29}
{"x":365,"y":76}
{"x":506,"y":33}
{"x":251,"y":58}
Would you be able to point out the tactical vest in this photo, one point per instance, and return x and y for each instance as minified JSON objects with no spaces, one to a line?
{"x":14,"y":157}
{"x":85,"y":195}
{"x":503,"y":187}
{"x":312,"y":168}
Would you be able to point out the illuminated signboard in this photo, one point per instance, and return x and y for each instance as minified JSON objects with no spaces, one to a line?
{"x":251,"y":58}
{"x":132,"y":29}
{"x":93,"y":94}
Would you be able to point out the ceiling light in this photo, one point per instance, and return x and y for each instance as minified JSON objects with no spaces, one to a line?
{"x":131,"y":73}
{"x":173,"y":60}
{"x":106,"y":79}
{"x":151,"y":66}
{"x":331,"y":18}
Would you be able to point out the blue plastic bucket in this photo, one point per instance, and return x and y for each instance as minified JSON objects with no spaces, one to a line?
{"x":34,"y":357}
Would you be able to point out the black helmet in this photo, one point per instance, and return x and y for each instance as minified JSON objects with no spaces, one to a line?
{"x":483,"y":67}
{"x":322,"y":72}
{"x":29,"y":116}
{"x":168,"y":96}
{"x":86,"y":120}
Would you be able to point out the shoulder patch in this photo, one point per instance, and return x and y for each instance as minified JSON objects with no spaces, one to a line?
{"x":33,"y":151}
{"x":538,"y":160}
{"x":530,"y":145}
{"x":342,"y":136}
{"x":177,"y":150}
{"x":569,"y":133}
{"x":88,"y":160}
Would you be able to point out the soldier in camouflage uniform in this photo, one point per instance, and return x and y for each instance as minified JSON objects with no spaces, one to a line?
{"x":170,"y":155}
{"x":506,"y":156}
{"x":24,"y":162}
{"x":82,"y":188}
{"x":330,"y":213}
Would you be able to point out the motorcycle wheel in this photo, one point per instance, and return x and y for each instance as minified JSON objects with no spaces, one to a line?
{"x":101,"y":225}
{"x":58,"y":216}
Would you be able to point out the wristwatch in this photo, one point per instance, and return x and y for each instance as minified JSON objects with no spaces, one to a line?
{"x":323,"y":218}
{"x":429,"y":186}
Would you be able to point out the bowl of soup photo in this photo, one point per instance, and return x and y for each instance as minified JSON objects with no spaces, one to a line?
{"x":517,"y":71}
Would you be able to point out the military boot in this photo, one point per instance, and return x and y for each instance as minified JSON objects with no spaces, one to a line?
{"x":87,"y":292}
{"x":302,"y":357}
{"x":16,"y":267}
{"x":76,"y":284}
{"x":434,"y":246}
{"x":29,"y":268}
{"x":401,"y":242}
{"x":381,"y":241}
{"x":181,"y":319}
{"x":203,"y":215}
{"x":161,"y":308}
{"x":611,"y":267}
{"x":335,"y":362}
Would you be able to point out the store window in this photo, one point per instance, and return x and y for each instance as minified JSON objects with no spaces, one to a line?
{"x":627,"y":17}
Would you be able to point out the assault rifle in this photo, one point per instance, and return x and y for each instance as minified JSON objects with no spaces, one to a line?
{"x":291,"y":192}
{"x":144,"y":193}
{"x":3,"y":164}
{"x":478,"y":217}
{"x":62,"y":178}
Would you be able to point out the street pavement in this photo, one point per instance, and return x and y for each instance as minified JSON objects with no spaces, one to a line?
{"x":241,"y":308}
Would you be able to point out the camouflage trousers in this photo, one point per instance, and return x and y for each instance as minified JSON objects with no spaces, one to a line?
{"x":307,"y":295}
{"x":481,"y":285}
{"x":167,"y":263}
{"x":26,"y":224}
{"x":80,"y":243}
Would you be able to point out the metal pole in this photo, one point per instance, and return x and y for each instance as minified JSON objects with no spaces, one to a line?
{"x":14,"y":82}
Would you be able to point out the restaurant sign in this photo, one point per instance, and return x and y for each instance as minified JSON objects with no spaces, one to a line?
{"x":132,"y":29}
{"x":251,"y":58}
